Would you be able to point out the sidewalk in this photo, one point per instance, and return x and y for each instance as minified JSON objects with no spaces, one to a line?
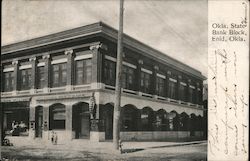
{"x":96,"y":147}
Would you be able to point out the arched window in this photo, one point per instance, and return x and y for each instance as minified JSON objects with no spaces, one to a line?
{"x":129,"y":118}
{"x":161,"y":121}
{"x":57,"y":117}
{"x":147,"y":117}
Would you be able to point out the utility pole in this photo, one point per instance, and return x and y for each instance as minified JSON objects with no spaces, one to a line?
{"x":117,"y":107}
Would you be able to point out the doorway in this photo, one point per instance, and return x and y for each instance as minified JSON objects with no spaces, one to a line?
{"x":39,"y":121}
{"x":107,"y":117}
{"x":81,"y":123}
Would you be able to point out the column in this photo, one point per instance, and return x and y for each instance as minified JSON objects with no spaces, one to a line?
{"x":97,"y":65}
{"x":33,"y":74}
{"x":32,"y":127}
{"x":167,"y":84}
{"x":138,"y":75}
{"x":47,"y":73}
{"x":15,"y":64}
{"x":2,"y":78}
{"x":188,"y":95}
{"x":46,"y":136}
{"x":154,"y":77}
{"x":178,"y":88}
{"x":70,"y":61}
{"x":68,"y":122}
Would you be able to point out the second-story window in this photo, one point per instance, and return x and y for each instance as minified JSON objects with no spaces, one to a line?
{"x":128,"y":77}
{"x":172,"y":89}
{"x":160,"y":86}
{"x":192,"y":95}
{"x":59,"y":75}
{"x":183,"y":91}
{"x":40,"y":77}
{"x":109,"y":72}
{"x":83,"y":71}
{"x":145,"y":82}
{"x":8,"y":81}
{"x":25,"y":79}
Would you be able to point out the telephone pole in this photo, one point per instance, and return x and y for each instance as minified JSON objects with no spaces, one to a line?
{"x":117,"y":106}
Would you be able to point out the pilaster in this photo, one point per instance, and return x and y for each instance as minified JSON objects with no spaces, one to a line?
{"x":47,"y":66}
{"x":33,"y":61}
{"x":178,"y":87}
{"x":70,"y":62}
{"x":154,"y":77}
{"x":68,"y":122}
{"x":138,"y":76}
{"x":97,"y":63}
{"x":15,"y":64}
{"x":188,"y":92}
{"x":46,"y":124}
{"x":167,"y":83}
{"x":32,"y":128}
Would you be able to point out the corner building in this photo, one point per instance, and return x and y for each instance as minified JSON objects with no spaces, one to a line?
{"x":64,"y":83}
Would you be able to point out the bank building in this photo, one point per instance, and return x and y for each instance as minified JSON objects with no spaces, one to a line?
{"x":65,"y":83}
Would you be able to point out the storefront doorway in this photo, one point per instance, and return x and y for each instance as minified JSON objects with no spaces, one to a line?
{"x":81,"y":120}
{"x":39,"y":121}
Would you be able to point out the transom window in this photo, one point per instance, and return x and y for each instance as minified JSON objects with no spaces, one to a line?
{"x":25,"y":79}
{"x":8,"y":81}
{"x":59,"y":75}
{"x":83,"y":71}
{"x":128,"y":77}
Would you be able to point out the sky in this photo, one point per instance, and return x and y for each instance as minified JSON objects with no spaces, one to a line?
{"x":177,"y":28}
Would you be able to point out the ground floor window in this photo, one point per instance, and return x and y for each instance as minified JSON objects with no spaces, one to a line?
{"x":57,"y":116}
{"x":15,"y":120}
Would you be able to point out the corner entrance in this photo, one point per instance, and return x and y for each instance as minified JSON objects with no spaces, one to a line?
{"x":107,"y":117}
{"x":39,"y":121}
{"x":80,"y":120}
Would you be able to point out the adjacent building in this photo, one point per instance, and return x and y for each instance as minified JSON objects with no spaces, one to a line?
{"x":64,"y":83}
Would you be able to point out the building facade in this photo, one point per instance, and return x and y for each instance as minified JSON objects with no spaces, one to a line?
{"x":64,"y":83}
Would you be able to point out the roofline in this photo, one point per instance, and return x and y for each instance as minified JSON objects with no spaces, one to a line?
{"x":98,"y":27}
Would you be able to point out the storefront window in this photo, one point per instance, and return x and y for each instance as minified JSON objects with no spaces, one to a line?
{"x":83,"y":71}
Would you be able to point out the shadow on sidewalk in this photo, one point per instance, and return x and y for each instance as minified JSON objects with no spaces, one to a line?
{"x":132,"y":150}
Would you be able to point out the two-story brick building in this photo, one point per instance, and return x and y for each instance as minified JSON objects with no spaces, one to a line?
{"x":64,"y":82}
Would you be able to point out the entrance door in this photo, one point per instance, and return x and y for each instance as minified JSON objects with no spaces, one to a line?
{"x":81,"y":121}
{"x":85,"y":126}
{"x":39,"y":121}
{"x":108,"y":119}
